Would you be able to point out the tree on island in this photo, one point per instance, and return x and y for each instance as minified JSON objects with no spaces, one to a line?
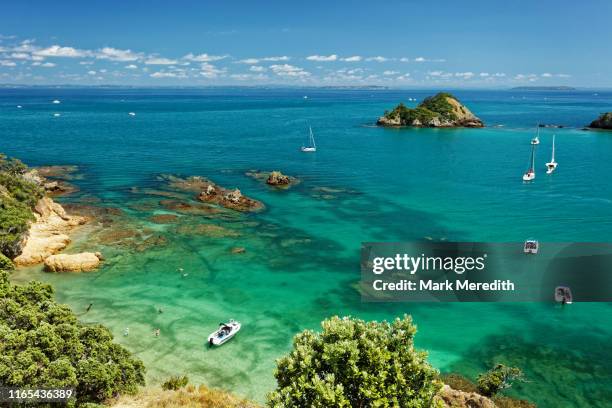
{"x":353,"y":363}
{"x":43,"y":345}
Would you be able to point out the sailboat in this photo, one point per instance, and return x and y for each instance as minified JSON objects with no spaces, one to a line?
{"x":530,"y":173}
{"x":536,"y":140}
{"x":552,"y":165}
{"x":311,"y":147}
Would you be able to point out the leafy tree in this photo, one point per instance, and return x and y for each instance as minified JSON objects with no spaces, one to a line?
{"x":43,"y":345}
{"x":497,"y":379}
{"x":353,"y":363}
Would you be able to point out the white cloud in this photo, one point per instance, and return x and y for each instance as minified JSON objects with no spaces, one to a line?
{"x":287,"y":70}
{"x":249,"y":61}
{"x":484,"y":74}
{"x":322,"y":58}
{"x":204,"y":57}
{"x":210,"y":71}
{"x":249,"y":77}
{"x":163,"y":75}
{"x":377,"y":59}
{"x":547,"y":75}
{"x":276,"y":59}
{"x":564,"y":75}
{"x":499,"y":75}
{"x":6,"y":63}
{"x":252,"y":61}
{"x":257,"y":68}
{"x":46,"y":64}
{"x":419,"y":59}
{"x":131,"y":66}
{"x":354,"y":58}
{"x":389,"y":72}
{"x":115,"y":54}
{"x":464,"y":75}
{"x":64,"y":52}
{"x":86,"y":62}
{"x":160,"y":61}
{"x":92,"y":72}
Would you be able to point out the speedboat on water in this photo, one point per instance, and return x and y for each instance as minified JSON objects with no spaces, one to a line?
{"x":225,"y":332}
{"x":563,"y":295}
{"x":531,"y":246}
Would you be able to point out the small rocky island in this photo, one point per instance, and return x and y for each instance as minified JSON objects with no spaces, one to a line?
{"x":273,"y":178}
{"x":604,"y":121}
{"x":441,"y":110}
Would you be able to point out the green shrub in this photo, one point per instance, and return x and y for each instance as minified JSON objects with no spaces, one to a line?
{"x":5,"y":263}
{"x":353,"y":363}
{"x":174,"y":383}
{"x":497,"y":379}
{"x":43,"y":345}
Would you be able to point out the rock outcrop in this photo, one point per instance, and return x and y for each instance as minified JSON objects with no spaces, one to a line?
{"x":441,"y":110}
{"x":604,"y":121}
{"x":48,"y":234}
{"x":232,"y":199}
{"x":83,"y":262}
{"x":276,"y":178}
{"x":460,"y":399}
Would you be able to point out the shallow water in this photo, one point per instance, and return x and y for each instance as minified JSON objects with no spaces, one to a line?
{"x":301,"y":259}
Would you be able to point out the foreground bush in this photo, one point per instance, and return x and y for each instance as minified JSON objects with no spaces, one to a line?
{"x":43,"y":345}
{"x":174,"y":383}
{"x":353,"y":363}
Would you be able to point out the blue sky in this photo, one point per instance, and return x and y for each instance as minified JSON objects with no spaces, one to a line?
{"x":394,"y":43}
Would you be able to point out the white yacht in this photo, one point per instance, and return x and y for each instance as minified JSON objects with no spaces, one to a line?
{"x":552,"y":165}
{"x":311,"y":146}
{"x":225,"y":332}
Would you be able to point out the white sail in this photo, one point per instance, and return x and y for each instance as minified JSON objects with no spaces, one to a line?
{"x":553,"y":150}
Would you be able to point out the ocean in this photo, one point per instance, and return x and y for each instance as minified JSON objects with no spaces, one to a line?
{"x":301,"y":258}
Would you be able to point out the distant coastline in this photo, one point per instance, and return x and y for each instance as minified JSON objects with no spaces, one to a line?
{"x":543,"y":88}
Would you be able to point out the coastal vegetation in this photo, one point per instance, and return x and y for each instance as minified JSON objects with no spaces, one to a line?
{"x":18,"y":196}
{"x":42,"y":344}
{"x":353,"y":363}
{"x":440,"y":110}
{"x":497,"y":379}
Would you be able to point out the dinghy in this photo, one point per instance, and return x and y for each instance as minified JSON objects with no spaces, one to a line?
{"x":552,"y":165}
{"x":311,"y":147}
{"x":225,"y":332}
{"x":530,"y":173}
{"x":531,"y":246}
{"x":563,"y":295}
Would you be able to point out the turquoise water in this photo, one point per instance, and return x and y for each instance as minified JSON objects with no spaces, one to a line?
{"x":301,"y":259}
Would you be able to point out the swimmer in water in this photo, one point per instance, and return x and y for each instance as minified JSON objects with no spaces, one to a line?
{"x":126,"y":332}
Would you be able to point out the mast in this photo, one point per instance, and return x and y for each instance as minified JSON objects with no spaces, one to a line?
{"x":532,"y":161}
{"x":553,"y":150}
{"x":312,"y":141}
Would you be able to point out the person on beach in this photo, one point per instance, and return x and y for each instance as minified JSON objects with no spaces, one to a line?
{"x":126,"y":332}
{"x":156,"y":332}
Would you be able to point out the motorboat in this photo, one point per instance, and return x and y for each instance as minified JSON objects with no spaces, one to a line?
{"x":531,"y":246}
{"x":563,"y":295}
{"x":225,"y":332}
